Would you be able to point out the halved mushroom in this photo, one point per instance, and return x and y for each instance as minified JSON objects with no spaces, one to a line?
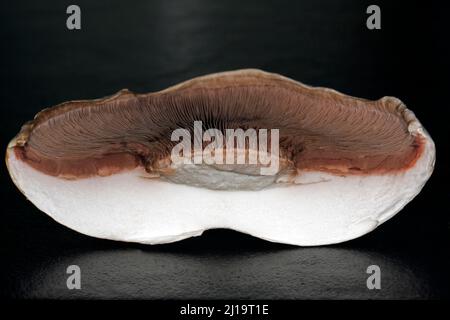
{"x":104,"y":167}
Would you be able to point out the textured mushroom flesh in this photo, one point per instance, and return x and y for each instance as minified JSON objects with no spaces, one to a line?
{"x":103,"y":167}
{"x":320,"y":129}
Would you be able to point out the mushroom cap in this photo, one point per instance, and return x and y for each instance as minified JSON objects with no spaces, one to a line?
{"x":103,"y":167}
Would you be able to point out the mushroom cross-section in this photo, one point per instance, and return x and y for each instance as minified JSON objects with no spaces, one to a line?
{"x":106,"y":167}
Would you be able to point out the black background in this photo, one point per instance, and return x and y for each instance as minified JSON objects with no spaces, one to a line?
{"x":149,"y":45}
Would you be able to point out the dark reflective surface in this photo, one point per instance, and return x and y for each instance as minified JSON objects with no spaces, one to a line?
{"x":223,"y":264}
{"x":278,"y":274}
{"x":148,"y":45}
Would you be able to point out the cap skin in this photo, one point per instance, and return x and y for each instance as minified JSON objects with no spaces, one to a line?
{"x":346,"y":164}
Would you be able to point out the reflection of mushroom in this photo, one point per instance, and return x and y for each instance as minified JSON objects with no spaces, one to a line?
{"x":346,"y":164}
